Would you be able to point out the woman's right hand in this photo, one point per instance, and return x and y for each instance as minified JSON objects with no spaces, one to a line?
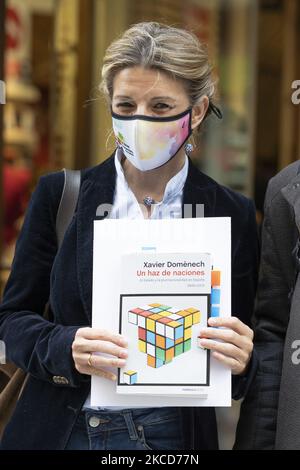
{"x":88,"y":341}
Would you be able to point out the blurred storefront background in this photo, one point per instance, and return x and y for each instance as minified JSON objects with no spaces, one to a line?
{"x":55,"y":117}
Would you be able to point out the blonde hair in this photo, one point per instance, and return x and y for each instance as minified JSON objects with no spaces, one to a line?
{"x":173,"y":50}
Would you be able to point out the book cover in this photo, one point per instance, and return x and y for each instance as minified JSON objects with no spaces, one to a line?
{"x":157,"y":282}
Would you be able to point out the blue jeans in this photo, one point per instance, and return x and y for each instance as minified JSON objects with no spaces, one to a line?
{"x":129,"y":429}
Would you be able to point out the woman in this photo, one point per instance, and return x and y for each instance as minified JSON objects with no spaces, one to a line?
{"x":159,"y":87}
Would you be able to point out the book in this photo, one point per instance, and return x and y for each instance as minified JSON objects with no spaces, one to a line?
{"x":157,"y":282}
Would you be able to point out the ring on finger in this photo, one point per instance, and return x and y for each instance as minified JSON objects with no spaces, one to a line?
{"x":90,"y":360}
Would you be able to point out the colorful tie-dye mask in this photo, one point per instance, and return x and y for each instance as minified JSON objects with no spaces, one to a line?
{"x":150,"y":142}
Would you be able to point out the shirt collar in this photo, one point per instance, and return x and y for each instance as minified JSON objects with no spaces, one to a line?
{"x":174,"y":186}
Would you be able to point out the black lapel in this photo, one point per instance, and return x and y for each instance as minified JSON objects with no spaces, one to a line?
{"x":199,"y":189}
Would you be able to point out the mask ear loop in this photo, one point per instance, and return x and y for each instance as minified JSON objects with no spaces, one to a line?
{"x":190,"y":147}
{"x":216,"y":110}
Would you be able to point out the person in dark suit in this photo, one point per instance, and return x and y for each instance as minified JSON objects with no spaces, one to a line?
{"x":270,"y":414}
{"x":159,"y":86}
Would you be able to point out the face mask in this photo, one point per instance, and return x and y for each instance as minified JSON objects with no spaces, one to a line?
{"x":150,"y":142}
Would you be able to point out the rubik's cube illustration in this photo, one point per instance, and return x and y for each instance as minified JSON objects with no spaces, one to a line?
{"x":130,"y":377}
{"x":164,"y":332}
{"x":215,"y":293}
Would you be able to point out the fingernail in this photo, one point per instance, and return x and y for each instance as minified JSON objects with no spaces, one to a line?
{"x":121,"y":363}
{"x":124,"y":353}
{"x":212,"y":321}
{"x":200,"y":344}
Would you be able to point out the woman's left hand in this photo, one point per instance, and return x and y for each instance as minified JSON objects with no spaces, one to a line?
{"x":236,"y":346}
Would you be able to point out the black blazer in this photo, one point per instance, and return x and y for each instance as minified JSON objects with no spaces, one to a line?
{"x":55,"y":390}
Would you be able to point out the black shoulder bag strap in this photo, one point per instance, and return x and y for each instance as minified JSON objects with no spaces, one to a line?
{"x":65,"y":212}
{"x":68,"y":202}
